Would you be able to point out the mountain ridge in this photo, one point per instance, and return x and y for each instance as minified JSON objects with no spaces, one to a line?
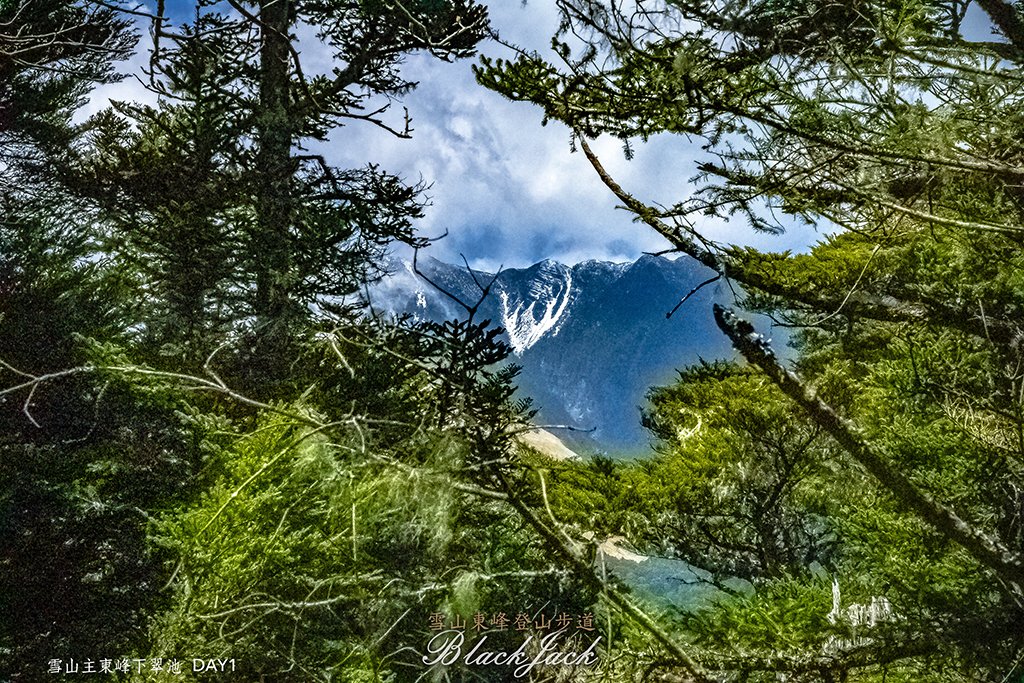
{"x":591,"y":338}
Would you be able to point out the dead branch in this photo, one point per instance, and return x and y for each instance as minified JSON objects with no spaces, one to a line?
{"x":574,"y":559}
{"x":692,"y":292}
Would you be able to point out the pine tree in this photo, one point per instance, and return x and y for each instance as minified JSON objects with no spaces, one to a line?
{"x":895,"y":133}
{"x":51,"y":53}
{"x":278,"y":230}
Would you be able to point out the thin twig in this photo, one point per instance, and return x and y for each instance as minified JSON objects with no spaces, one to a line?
{"x":693,"y":291}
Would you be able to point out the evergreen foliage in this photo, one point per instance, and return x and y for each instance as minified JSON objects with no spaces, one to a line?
{"x":887,"y":458}
{"x":51,"y":52}
{"x":207,"y":450}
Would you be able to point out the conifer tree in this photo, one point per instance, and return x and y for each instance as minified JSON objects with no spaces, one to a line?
{"x":281,"y":228}
{"x":51,"y":53}
{"x":894,"y":131}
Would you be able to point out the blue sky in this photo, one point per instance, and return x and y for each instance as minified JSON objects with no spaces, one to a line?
{"x":507,"y":190}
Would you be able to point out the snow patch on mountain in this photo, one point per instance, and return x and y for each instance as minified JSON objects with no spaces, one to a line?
{"x":550,"y":293}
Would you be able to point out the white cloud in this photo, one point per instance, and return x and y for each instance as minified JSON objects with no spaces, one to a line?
{"x":507,"y":189}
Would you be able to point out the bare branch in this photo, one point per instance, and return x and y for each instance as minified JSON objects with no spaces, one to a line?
{"x":585,"y":571}
{"x":471,"y":309}
{"x":692,"y":292}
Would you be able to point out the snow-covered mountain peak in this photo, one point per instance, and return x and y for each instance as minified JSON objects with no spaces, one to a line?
{"x":591,"y":338}
{"x":540,"y":309}
{"x":550,"y":265}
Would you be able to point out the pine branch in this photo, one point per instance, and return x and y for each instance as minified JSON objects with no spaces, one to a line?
{"x":876,"y":307}
{"x":986,"y":549}
{"x":583,"y":570}
{"x":1004,"y":16}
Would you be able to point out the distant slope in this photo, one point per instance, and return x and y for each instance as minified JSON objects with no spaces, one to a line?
{"x":546,"y":443}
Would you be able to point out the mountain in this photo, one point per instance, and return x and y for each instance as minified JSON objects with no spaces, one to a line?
{"x":591,"y":338}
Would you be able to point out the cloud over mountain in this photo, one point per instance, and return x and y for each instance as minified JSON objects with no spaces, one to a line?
{"x":591,"y":338}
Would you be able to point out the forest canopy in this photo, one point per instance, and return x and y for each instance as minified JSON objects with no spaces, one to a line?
{"x":879,"y":473}
{"x":209,"y":449}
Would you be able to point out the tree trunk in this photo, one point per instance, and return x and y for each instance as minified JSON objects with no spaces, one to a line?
{"x":272,"y":251}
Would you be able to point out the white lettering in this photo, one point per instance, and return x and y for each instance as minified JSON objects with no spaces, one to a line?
{"x":547,"y":644}
{"x":445,"y":649}
{"x":447,"y":646}
{"x":588,"y":657}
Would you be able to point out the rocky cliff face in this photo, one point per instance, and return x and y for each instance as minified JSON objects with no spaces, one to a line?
{"x":591,"y":338}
